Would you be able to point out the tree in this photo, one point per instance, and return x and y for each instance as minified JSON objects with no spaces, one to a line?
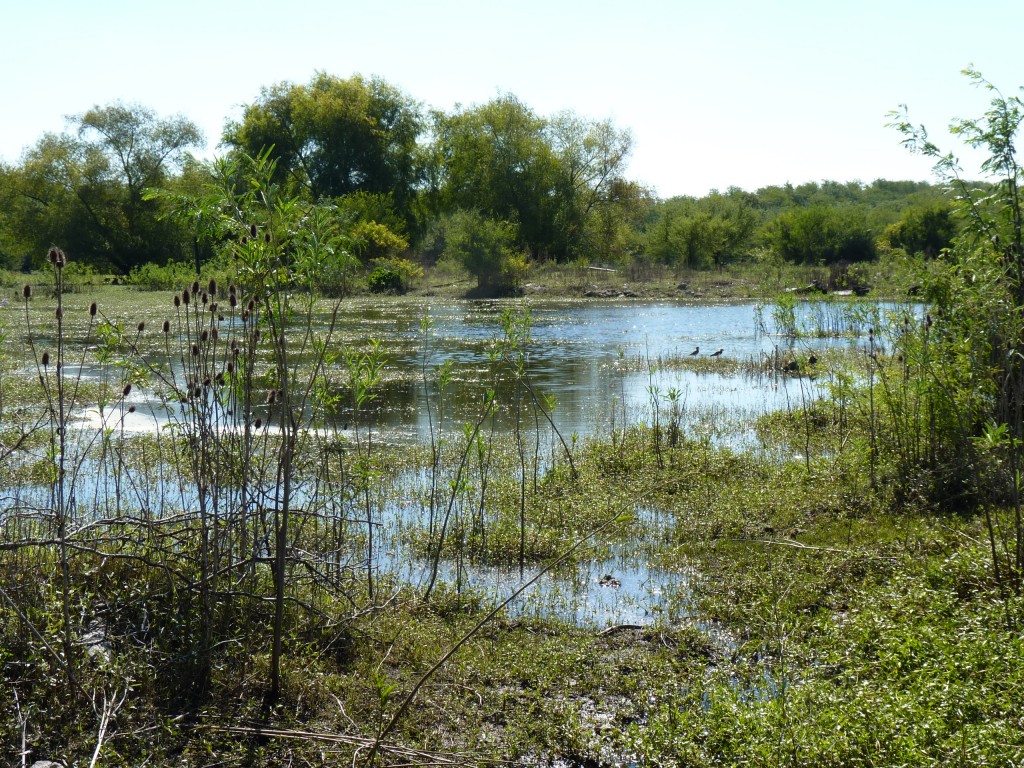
{"x":85,"y":190}
{"x":974,"y":360}
{"x":700,"y":233}
{"x":822,"y":235}
{"x":337,"y":136}
{"x":595,"y":197}
{"x":486,"y":248}
{"x":924,"y":229}
{"x":497,"y":159}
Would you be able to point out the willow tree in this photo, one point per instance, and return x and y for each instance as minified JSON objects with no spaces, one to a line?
{"x":336,"y":136}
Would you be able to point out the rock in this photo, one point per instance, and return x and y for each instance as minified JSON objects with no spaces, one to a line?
{"x":97,"y":646}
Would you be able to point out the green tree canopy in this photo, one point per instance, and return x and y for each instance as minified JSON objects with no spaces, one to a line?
{"x":701,"y":232}
{"x":337,"y":136}
{"x":597,"y":203}
{"x":822,"y":235}
{"x":84,"y":190}
{"x":924,"y":229}
{"x":486,"y":248}
{"x":497,"y":159}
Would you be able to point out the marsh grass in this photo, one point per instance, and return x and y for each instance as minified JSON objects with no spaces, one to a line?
{"x":815,"y":603}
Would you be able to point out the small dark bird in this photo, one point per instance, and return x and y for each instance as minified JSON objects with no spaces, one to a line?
{"x":717,"y":352}
{"x":696,"y":351}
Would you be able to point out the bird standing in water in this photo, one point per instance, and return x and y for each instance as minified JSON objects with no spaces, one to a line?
{"x":696,"y":351}
{"x":717,"y":352}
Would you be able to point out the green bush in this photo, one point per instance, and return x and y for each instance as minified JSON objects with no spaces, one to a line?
{"x":486,"y":248}
{"x":394,"y":275}
{"x":161,"y":277}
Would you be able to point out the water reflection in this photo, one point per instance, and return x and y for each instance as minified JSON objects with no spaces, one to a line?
{"x":584,"y":358}
{"x":598,"y":363}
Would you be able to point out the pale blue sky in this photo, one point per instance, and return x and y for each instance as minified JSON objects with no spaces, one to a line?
{"x":716,"y":93}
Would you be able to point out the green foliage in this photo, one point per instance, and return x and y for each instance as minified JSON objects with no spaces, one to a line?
{"x":376,"y":241}
{"x":496,"y":159}
{"x":820,"y":235}
{"x":599,"y":207}
{"x":156,"y":277}
{"x":486,"y":249}
{"x":701,"y":233}
{"x":923,"y":229}
{"x":394,"y":275}
{"x":336,"y":136}
{"x":85,"y":190}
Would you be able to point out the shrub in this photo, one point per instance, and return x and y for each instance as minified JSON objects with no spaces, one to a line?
{"x":485,"y":247}
{"x":394,"y":275}
{"x":161,"y":277}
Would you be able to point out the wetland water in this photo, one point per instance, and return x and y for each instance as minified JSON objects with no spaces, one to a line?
{"x":593,"y":360}
{"x":602,"y":364}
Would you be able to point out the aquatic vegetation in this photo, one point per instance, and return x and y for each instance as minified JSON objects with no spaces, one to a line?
{"x":748,"y":569}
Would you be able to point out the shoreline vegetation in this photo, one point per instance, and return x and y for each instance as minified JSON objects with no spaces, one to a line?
{"x":846,"y":588}
{"x":823,"y":615}
{"x":893,"y":279}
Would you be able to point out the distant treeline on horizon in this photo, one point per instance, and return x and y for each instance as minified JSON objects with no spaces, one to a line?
{"x":404,"y":183}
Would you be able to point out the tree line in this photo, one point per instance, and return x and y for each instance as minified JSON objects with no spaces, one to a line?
{"x":495,"y":187}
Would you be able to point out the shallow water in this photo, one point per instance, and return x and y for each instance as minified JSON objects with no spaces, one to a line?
{"x":584,"y":356}
{"x":599,"y":364}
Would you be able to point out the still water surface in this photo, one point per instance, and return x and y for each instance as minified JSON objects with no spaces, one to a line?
{"x":599,"y":362}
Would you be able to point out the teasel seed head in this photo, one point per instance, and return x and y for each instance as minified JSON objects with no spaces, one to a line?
{"x":46,"y":358}
{"x":195,"y":349}
{"x":258,"y":424}
{"x":142,"y":326}
{"x":127,"y":390}
{"x":167,"y":326}
{"x":93,"y":309}
{"x":177,"y":300}
{"x":26,"y":291}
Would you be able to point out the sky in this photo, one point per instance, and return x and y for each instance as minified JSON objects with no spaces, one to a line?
{"x":716,"y":94}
